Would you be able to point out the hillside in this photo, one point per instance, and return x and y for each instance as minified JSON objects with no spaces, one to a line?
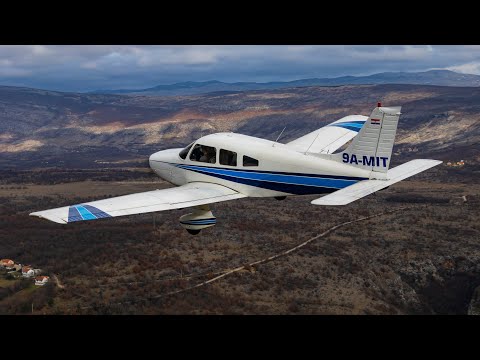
{"x":420,"y":260}
{"x":43,"y":128}
{"x":432,"y":77}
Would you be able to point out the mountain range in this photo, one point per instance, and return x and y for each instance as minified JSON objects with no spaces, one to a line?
{"x":41,"y":128}
{"x":432,"y":77}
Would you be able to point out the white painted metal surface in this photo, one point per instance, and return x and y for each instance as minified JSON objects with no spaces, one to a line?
{"x":367,"y":187}
{"x":328,"y":138}
{"x":185,"y":196}
{"x":303,"y":166}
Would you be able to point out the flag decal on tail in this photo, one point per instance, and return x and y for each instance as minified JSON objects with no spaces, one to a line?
{"x":375,"y":121}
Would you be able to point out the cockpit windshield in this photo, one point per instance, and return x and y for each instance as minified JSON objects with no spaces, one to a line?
{"x":204,"y":153}
{"x":184,"y":152}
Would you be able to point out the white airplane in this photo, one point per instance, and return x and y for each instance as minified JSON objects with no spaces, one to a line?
{"x":228,"y":166}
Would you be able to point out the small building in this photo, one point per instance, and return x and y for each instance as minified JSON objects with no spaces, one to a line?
{"x":27,"y":272}
{"x":41,"y":280}
{"x":17,"y":267}
{"x":7,"y":263}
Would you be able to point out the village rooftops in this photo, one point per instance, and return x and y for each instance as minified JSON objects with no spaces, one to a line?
{"x":41,"y":280}
{"x":7,"y":262}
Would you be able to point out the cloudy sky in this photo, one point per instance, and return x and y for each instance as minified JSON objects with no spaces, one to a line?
{"x":85,"y":68}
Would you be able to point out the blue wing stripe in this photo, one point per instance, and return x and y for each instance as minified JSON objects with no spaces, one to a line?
{"x":350,"y":126}
{"x":84,"y":213}
{"x":73,"y":214}
{"x":99,"y":214}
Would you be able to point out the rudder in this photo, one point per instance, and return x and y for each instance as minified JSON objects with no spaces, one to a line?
{"x":372,"y":148}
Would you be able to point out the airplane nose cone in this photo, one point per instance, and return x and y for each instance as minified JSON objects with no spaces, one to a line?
{"x":166,"y":156}
{"x":163,"y":164}
{"x":153,"y":158}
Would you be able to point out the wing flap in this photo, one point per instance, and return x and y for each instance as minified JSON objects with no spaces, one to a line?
{"x":192,"y":194}
{"x":367,"y":187}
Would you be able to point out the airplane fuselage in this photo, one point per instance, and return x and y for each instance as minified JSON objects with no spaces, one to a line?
{"x":262,"y":168}
{"x":227,"y":166}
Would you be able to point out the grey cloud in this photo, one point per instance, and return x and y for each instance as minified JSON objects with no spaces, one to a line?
{"x":83,"y":68}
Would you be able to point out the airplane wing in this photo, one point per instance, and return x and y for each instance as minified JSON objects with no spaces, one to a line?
{"x":367,"y":187}
{"x":330,"y":137}
{"x":192,"y":194}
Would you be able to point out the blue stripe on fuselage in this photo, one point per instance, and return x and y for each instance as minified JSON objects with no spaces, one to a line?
{"x":248,"y":171}
{"x":291,"y":184}
{"x":279,"y":178}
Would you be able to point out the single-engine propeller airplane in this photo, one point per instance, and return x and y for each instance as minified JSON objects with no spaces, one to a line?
{"x":228,"y":166}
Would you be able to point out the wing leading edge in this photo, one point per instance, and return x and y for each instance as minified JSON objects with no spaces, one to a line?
{"x":192,"y":194}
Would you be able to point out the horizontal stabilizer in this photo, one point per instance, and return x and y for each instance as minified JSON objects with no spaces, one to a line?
{"x":367,"y":187}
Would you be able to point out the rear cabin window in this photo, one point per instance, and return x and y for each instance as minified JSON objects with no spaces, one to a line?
{"x":184,"y":152}
{"x":248,"y":161}
{"x":228,"y":157}
{"x":202,"y":153}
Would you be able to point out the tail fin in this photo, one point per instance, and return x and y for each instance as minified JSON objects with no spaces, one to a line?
{"x":371,"y":149}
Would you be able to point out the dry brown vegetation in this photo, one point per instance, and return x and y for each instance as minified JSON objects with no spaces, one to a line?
{"x":423,"y":260}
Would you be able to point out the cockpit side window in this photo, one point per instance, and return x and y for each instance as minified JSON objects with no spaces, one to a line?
{"x":228,"y":157}
{"x":248,"y":161}
{"x":203,"y":153}
{"x":184,"y":152}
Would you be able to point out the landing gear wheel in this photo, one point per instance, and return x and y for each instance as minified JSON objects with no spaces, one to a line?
{"x":193,"y":232}
{"x":280,"y":197}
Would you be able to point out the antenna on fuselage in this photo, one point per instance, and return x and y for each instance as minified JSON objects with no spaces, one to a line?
{"x":279,"y":136}
{"x":318,"y":133}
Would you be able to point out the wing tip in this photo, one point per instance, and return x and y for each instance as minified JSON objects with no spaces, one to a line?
{"x":322,"y":202}
{"x":50,"y":218}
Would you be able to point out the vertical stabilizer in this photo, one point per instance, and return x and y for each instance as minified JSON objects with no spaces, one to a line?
{"x":372,"y":148}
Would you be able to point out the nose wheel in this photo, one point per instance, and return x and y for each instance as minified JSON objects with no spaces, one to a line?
{"x":193,"y":232}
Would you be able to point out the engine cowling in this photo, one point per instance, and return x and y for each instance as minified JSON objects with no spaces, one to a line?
{"x":200,"y":219}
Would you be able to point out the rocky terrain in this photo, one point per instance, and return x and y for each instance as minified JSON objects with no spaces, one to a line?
{"x":64,"y":148}
{"x":44,"y":128}
{"x":421,"y":260}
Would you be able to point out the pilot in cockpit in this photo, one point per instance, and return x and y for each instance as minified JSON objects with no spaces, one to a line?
{"x":205,"y":156}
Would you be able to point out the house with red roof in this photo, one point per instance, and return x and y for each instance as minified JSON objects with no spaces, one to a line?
{"x":27,"y":271}
{"x":7,"y":263}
